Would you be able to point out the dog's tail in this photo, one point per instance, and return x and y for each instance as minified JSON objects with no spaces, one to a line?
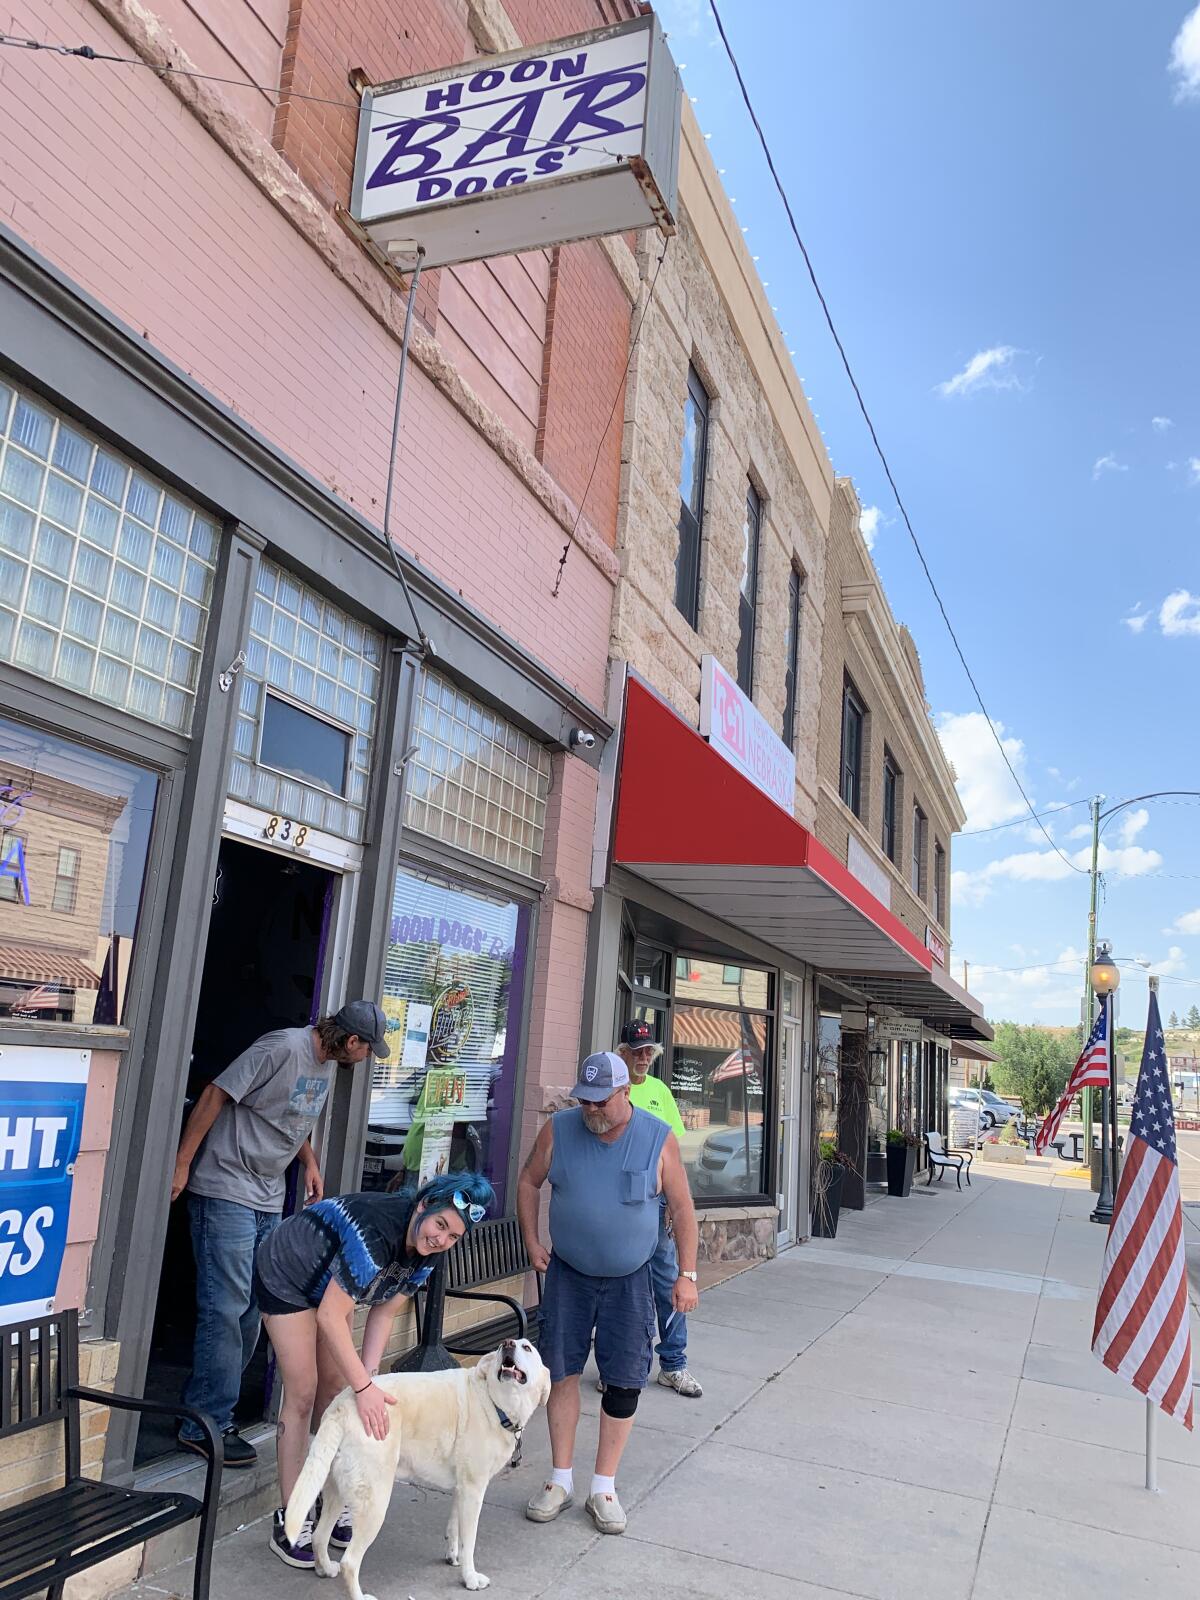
{"x":315,"y":1469}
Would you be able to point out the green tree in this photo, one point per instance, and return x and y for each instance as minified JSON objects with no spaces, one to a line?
{"x":1194,"y":1017}
{"x":1034,"y":1065}
{"x":1173,"y":1021}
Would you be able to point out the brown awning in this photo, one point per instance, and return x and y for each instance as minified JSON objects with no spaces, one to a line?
{"x":45,"y":963}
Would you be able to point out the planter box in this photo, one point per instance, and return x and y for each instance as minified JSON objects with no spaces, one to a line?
{"x":901,"y":1164}
{"x":828,"y":1201}
{"x":1012,"y":1155}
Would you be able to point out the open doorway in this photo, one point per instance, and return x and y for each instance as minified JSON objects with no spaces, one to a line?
{"x":262,"y":970}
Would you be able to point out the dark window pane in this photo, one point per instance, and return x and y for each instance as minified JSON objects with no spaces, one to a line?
{"x":717,"y":1073}
{"x":296,"y":742}
{"x":791,"y":655}
{"x":691,"y":498}
{"x":748,"y":591}
{"x":852,"y":735}
{"x":889,"y":809}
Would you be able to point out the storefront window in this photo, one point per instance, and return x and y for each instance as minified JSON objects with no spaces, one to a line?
{"x":877,"y":1096}
{"x":74,"y":833}
{"x":453,"y":990}
{"x":105,"y":574}
{"x":718,"y":1075}
{"x":825,"y":1084}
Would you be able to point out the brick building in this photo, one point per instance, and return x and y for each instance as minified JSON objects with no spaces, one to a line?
{"x":200,"y":623}
{"x":729,"y":912}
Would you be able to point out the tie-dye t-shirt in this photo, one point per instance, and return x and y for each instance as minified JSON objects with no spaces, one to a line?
{"x":358,"y":1240}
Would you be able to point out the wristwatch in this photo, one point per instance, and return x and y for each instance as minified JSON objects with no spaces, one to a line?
{"x":691,"y":1276}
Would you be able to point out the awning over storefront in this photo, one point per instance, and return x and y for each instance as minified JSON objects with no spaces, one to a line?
{"x":691,"y":824}
{"x":972,"y":1050}
{"x":44,"y":963}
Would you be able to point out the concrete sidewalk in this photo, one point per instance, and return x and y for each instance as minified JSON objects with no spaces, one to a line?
{"x":911,"y":1409}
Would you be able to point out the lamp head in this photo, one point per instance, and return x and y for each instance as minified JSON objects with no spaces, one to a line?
{"x":1106,"y":975}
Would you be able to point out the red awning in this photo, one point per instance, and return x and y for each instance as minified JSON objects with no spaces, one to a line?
{"x":691,"y":824}
{"x":45,"y":963}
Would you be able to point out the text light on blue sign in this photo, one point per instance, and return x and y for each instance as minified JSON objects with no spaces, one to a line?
{"x":570,"y":140}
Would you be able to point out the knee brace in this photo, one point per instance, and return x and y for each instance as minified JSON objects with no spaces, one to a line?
{"x":620,"y":1402}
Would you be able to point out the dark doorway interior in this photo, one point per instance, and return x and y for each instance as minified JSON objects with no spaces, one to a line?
{"x":262,"y":970}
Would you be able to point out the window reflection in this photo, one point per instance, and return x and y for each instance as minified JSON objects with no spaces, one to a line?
{"x":74,"y":833}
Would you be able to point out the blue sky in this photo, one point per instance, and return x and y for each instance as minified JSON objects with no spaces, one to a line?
{"x":1001,"y":206}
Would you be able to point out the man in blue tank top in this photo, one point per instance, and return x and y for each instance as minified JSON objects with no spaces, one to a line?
{"x":607,"y":1163}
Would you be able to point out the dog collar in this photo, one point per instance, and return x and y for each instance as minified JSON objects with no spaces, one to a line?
{"x":506,"y":1422}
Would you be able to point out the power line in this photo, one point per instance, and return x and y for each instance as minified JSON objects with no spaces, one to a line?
{"x":85,"y":52}
{"x":862,"y":406}
{"x":1023,"y":822}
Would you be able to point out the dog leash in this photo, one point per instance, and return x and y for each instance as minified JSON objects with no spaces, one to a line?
{"x":509,"y":1426}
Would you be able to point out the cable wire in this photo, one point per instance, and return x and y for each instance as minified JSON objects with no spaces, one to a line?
{"x":862,"y":406}
{"x":637,"y":333}
{"x":1023,"y":822}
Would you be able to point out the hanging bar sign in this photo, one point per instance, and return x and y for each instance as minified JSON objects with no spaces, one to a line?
{"x":513,"y":152}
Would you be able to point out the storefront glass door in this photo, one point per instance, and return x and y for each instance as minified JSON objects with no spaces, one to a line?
{"x":790,"y":1077}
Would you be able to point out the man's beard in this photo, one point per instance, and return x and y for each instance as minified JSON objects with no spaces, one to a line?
{"x":597,"y":1122}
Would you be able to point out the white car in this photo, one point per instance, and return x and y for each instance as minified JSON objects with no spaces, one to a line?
{"x":993,"y":1111}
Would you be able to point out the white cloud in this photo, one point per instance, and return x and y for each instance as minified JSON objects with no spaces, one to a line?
{"x":1048,"y":866}
{"x":1179,"y":614}
{"x":988,"y":792}
{"x":1133,"y":824}
{"x":987,"y":369}
{"x":1193,"y":471}
{"x":1189,"y":922}
{"x":1161,"y":424}
{"x":1136,"y":621}
{"x":1170,"y":965}
{"x":1043,"y":990}
{"x":1185,"y":57}
{"x":868,"y":524}
{"x":1082,"y":830}
{"x":1107,"y":463}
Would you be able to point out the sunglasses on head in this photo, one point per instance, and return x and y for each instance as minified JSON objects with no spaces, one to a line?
{"x":469,"y":1209}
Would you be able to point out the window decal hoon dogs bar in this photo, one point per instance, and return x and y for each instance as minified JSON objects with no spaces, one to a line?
{"x":544,"y":145}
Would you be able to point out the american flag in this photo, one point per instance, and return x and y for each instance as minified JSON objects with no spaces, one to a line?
{"x":1142,"y":1332}
{"x":1089,"y":1072}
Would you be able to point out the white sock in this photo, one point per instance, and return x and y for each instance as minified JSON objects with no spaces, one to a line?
{"x":563,"y":1478}
{"x":601,"y":1485}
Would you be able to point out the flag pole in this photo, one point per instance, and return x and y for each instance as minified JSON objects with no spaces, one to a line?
{"x":1151,"y":1408}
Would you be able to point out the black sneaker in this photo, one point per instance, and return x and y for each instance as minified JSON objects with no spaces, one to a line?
{"x":343,"y":1531}
{"x":299,"y":1554}
{"x":237,"y":1452}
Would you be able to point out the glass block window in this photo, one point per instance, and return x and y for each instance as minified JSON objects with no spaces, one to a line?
{"x":105,"y":574}
{"x":476,"y":782}
{"x":307,"y":707}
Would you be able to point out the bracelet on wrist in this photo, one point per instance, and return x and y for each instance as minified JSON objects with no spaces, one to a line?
{"x":365,"y":1386}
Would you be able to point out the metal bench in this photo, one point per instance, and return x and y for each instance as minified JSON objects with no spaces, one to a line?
{"x":959,"y":1161}
{"x":45,"y":1540}
{"x":488,"y":1253}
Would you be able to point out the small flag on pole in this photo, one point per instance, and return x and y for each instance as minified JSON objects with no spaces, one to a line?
{"x":1142,"y":1332}
{"x":1089,"y":1072}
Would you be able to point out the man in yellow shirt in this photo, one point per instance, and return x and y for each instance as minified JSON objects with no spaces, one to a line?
{"x":638,"y":1051}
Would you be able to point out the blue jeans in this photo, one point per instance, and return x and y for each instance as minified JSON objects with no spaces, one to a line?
{"x":671,"y":1348}
{"x":225,"y":1236}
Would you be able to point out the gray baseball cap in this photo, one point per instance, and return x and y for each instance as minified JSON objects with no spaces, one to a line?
{"x":600,"y":1075}
{"x":368,"y":1021}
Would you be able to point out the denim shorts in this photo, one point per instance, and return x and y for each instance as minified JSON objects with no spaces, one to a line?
{"x":617,"y":1312}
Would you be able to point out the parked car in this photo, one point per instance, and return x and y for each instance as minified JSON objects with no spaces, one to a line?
{"x":730,"y":1161}
{"x":993,"y":1111}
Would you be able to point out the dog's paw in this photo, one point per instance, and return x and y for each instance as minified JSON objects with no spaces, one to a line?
{"x":452,"y":1558}
{"x":477,"y":1580}
{"x":326,"y":1569}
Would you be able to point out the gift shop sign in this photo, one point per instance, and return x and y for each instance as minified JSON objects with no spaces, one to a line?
{"x":935,"y":946}
{"x":737,"y":730}
{"x":41,"y":1119}
{"x":513,"y":152}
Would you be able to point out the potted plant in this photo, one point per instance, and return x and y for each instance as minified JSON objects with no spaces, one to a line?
{"x":1004,"y":1146}
{"x":827,"y":1201}
{"x":901,"y":1161}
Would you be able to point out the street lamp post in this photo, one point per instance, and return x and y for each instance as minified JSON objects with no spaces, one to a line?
{"x":1106,"y":977}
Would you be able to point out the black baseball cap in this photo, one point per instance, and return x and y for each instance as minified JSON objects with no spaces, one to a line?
{"x":636,"y":1034}
{"x":367,"y":1020}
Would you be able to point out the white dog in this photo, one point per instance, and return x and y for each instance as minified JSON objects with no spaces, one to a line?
{"x":448,"y":1430}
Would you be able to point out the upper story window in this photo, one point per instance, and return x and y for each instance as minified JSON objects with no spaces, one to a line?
{"x":939,"y":884}
{"x":748,"y":590}
{"x":692,"y":474}
{"x":891,"y":790}
{"x":918,"y":851}
{"x":791,"y":656}
{"x":854,"y":717}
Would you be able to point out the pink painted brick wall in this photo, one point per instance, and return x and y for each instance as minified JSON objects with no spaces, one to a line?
{"x":88,"y":1184}
{"x":111,"y":178}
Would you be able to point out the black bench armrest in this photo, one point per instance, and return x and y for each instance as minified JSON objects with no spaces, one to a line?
{"x":125,"y":1402}
{"x":515,"y":1306}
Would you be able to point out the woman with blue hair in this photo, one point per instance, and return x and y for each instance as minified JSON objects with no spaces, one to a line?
{"x":309,"y":1275}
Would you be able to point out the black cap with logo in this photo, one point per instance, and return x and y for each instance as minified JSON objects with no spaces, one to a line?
{"x":637,"y":1034}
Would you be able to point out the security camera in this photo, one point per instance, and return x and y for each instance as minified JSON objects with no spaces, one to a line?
{"x":582,"y":739}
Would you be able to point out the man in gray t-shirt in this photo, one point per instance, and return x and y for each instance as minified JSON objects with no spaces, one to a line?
{"x":244,"y":1131}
